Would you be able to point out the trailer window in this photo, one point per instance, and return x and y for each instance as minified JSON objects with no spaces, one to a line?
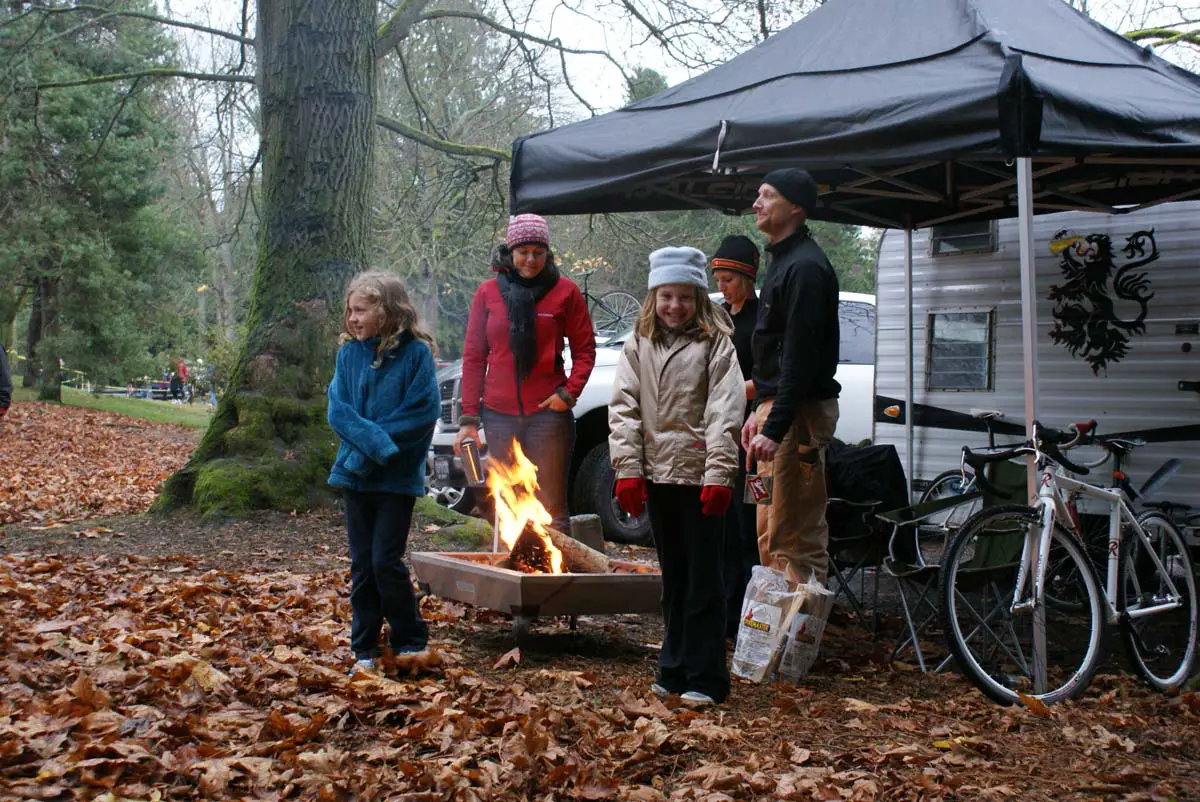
{"x":956,"y":238}
{"x":856,"y":324}
{"x":958,"y":353}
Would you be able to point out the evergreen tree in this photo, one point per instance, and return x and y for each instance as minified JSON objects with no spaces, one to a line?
{"x":78,"y":165}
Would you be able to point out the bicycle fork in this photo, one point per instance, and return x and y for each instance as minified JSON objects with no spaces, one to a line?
{"x":1030,"y":595}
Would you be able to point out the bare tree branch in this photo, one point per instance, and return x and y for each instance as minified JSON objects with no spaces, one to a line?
{"x":158,"y":72}
{"x":398,"y":26}
{"x":1165,"y":36}
{"x":108,"y":12}
{"x":445,"y":146}
{"x":113,"y":120}
{"x":437,"y":13}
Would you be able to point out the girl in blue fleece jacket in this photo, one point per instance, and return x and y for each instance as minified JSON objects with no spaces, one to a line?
{"x":383,"y":403}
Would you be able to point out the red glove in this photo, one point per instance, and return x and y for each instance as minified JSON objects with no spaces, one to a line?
{"x":3,"y":411}
{"x":715,"y":499}
{"x":631,"y":495}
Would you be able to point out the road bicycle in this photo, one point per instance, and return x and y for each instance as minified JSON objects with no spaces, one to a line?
{"x":613,"y":312}
{"x":1021,"y":603}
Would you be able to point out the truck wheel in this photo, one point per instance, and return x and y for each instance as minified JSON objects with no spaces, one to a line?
{"x":459,"y":499}
{"x":594,"y":493}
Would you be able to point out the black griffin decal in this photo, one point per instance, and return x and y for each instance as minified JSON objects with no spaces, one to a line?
{"x":1086,"y":318}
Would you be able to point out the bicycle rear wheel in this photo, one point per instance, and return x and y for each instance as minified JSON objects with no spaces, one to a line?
{"x":614,"y":312}
{"x":993,"y":644}
{"x":944,"y":485}
{"x":1161,"y":646}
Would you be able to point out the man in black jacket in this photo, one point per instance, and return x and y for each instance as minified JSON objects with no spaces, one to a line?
{"x":795,"y":348}
{"x":5,"y":383}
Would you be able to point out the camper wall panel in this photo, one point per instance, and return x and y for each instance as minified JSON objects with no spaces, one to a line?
{"x":1114,"y":306}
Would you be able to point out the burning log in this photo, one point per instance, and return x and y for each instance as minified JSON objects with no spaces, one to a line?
{"x":531,"y":555}
{"x":580,"y":558}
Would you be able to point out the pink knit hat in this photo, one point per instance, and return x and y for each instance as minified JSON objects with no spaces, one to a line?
{"x":527,"y":229}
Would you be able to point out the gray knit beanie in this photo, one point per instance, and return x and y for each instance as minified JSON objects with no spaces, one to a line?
{"x":678,"y":266}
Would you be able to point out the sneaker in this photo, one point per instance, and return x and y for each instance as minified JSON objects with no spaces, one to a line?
{"x":410,"y":652}
{"x":697,"y":699}
{"x":659,"y":691}
{"x":364,"y":666}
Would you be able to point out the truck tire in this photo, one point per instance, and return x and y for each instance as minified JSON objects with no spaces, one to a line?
{"x":593,"y":493}
{"x":459,"y":499}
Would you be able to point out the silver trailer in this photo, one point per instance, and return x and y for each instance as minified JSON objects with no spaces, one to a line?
{"x":1118,"y":336}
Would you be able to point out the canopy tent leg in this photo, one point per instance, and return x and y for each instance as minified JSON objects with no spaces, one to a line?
{"x":908,"y":359}
{"x":1028,"y":306}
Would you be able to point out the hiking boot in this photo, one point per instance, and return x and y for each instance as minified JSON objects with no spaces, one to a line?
{"x":695,"y":699}
{"x":659,"y":691}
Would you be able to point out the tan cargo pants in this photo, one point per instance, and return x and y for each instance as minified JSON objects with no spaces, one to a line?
{"x":792,"y":534}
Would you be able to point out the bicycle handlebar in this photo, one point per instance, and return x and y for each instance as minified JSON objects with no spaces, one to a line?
{"x":1051,"y":442}
{"x":979,"y":461}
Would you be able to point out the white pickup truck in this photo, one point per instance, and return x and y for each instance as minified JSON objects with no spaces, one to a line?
{"x":591,"y":478}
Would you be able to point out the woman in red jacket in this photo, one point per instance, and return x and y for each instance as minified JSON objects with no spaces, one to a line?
{"x":513,"y":380}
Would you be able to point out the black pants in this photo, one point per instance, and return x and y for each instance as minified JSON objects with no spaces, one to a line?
{"x":690,"y":548}
{"x":377,"y":525}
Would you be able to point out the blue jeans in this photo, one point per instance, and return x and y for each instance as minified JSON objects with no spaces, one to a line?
{"x":547,"y":438}
{"x":377,"y":526}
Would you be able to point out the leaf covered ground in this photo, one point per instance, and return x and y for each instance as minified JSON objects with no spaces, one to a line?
{"x":137,"y":664}
{"x":60,"y":463}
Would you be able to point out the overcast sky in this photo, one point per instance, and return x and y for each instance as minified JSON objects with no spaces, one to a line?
{"x":600,"y":82}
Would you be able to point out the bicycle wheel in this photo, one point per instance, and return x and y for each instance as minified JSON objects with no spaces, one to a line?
{"x":993,"y":644}
{"x":944,"y":485}
{"x":1161,"y":646}
{"x":614,"y":312}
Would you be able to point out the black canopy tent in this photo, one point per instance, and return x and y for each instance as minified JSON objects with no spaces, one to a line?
{"x":908,"y":115}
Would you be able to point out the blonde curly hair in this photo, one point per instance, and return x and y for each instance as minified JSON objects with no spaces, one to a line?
{"x":393,"y":308}
{"x":708,"y":323}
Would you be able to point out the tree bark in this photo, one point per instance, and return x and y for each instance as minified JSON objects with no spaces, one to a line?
{"x":269,"y":445}
{"x":33,"y":335}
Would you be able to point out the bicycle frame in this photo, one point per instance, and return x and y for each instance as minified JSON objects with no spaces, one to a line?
{"x":1030,"y":590}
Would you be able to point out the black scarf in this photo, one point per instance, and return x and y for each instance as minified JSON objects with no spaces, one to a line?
{"x":521,"y":296}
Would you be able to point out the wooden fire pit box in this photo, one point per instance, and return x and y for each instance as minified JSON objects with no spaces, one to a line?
{"x":477,"y":579}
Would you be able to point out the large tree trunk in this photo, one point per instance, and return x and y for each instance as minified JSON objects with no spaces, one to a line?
{"x":33,"y":335}
{"x":268,"y":445}
{"x":224,"y":281}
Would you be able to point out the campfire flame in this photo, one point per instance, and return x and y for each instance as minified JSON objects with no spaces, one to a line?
{"x":518,"y":510}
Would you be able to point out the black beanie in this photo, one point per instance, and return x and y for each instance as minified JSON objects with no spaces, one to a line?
{"x":737,"y":253}
{"x":796,"y":185}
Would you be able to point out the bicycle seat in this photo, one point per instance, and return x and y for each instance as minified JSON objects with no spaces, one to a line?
{"x":585,"y":273}
{"x":1120,"y":445}
{"x":987,"y":414}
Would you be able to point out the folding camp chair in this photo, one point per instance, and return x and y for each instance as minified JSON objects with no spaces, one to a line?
{"x":918,"y":538}
{"x":857,"y":543}
{"x":860,"y":480}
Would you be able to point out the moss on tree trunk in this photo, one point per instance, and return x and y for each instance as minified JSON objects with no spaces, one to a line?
{"x":269,"y":445}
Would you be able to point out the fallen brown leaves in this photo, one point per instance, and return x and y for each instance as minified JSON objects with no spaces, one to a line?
{"x":64,"y":464}
{"x":127,"y":678}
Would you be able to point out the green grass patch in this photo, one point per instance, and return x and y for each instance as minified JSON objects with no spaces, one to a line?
{"x":196,"y":416}
{"x":457,"y":533}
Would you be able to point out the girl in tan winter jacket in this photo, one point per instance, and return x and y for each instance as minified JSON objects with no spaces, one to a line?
{"x":675,"y":412}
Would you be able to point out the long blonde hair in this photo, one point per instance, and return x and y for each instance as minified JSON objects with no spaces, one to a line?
{"x":392,"y":306}
{"x":707,"y":323}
